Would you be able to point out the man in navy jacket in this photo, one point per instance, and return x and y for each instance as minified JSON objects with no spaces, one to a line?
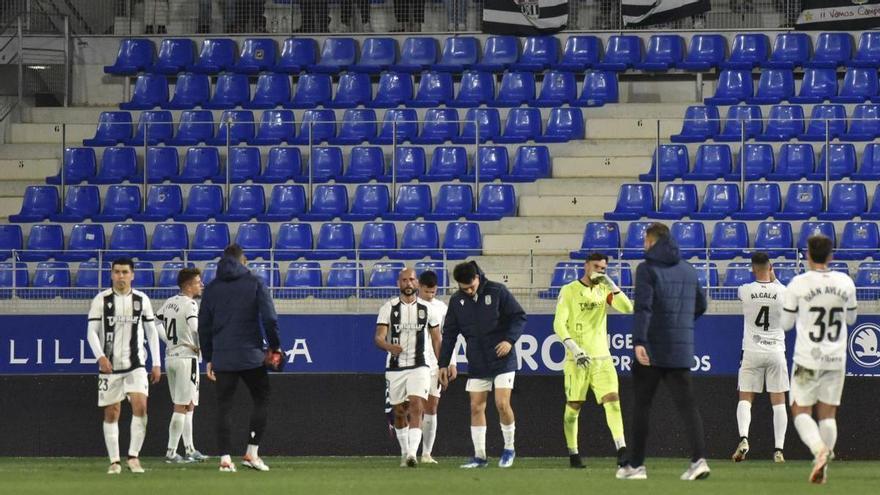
{"x":491,"y":321}
{"x":668,"y":299}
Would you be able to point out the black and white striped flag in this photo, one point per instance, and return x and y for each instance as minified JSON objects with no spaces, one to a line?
{"x":648,"y":12}
{"x":524,"y":17}
{"x":844,"y":15}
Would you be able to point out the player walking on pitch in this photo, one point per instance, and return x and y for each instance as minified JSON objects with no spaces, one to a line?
{"x":763,"y":355}
{"x":581,"y":325}
{"x":120,"y":319}
{"x":820,"y":304}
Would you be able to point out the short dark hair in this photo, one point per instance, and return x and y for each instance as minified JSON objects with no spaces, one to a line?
{"x":760,"y":258}
{"x":465,"y":273}
{"x":428,"y":279}
{"x":123,"y":261}
{"x":597,"y":257}
{"x":819,"y":248}
{"x":233,"y":251}
{"x":657,"y":231}
{"x":186,"y":275}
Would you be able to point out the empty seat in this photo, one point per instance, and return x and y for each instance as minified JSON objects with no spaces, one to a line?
{"x":161,"y":164}
{"x":190,"y":91}
{"x":729,"y":240}
{"x":707,"y":278}
{"x":90,"y":278}
{"x":419,"y":240}
{"x":195,"y":127}
{"x":378,"y":240}
{"x":441,"y":125}
{"x":44,"y":241}
{"x":169,"y":241}
{"x":199,"y":165}
{"x":840,"y":160}
{"x":476,"y":88}
{"x":328,"y":202}
{"x":203,"y":202}
{"x":761,"y":200}
{"x":242,"y":164}
{"x":230,"y":91}
{"x":499,"y":52}
{"x":80,"y":203}
{"x":153,"y":127}
{"x":175,"y":55}
{"x":135,"y":55}
{"x":481,"y":124}
{"x":119,"y":164}
{"x":705,"y":52}
{"x":784,"y":123}
{"x":516,"y":88}
{"x":832,"y":50}
{"x":257,"y":54}
{"x":246,"y":201}
{"x":539,"y":53}
{"x":163,"y":202}
{"x":255,"y":239}
{"x":600,"y":87}
{"x":128,"y":240}
{"x":733,"y":86}
{"x":678,"y":200}
{"x":867,"y":281}
{"x":417,"y":54}
{"x":39,"y":202}
{"x":633,"y":202}
{"x":496,"y":201}
{"x":673,"y":163}
{"x":336,"y":54}
{"x":399,"y":125}
{"x":394,"y":89}
{"x":563,"y":273}
{"x":755,"y":161}
{"x":803,"y":201}
{"x":85,"y":242}
{"x":846,"y":201}
{"x":774,"y":238}
{"x":664,"y":52}
{"x":51,"y":279}
{"x":867,"y":52}
{"x":563,"y":124}
{"x":276,"y":127}
{"x":713,"y":161}
{"x":210,"y":272}
{"x":293,"y":240}
{"x":358,"y":126}
{"x":408,"y":163}
{"x":817,"y":86}
{"x":522,"y":124}
{"x":312,"y":90}
{"x":794,"y":163}
{"x":324,"y":164}
{"x":365,"y":163}
{"x":383,"y":279}
{"x":303,"y":279}
{"x":864,"y":124}
{"x":413,"y":201}
{"x":435,"y":88}
{"x":870,"y":169}
{"x":742,"y":122}
{"x":738,"y":274}
{"x":78,"y":165}
{"x":530,"y":163}
{"x":167,"y":282}
{"x":491,"y":163}
{"x":344,"y":279}
{"x":719,"y":202}
{"x":599,"y":237}
{"x":825,"y":119}
{"x":454,"y":201}
{"x":377,"y":54}
{"x":447,"y":163}
{"x":748,"y":50}
{"x":10,"y":239}
{"x":691,"y":239}
{"x":272,"y":90}
{"x":579,"y":53}
{"x":215,"y":55}
{"x":622,"y":52}
{"x":236,"y":127}
{"x":296,"y":55}
{"x":120,"y":204}
{"x":352,"y":90}
{"x":701,"y":123}
{"x":774,"y":86}
{"x":458,"y":53}
{"x":335,"y":240}
{"x":113,"y":128}
{"x":790,"y":50}
{"x":557,"y":88}
{"x":209,"y":241}
{"x":634,"y":244}
{"x":810,"y":229}
{"x":286,"y":202}
{"x":462,"y":240}
{"x":150,"y":91}
{"x":317,"y":126}
{"x":860,"y":240}
{"x":371,"y":201}
{"x":859,"y":84}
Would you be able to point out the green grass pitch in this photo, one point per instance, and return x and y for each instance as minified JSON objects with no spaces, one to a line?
{"x":355,"y":476}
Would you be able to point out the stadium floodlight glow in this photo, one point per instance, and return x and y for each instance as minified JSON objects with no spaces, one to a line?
{"x":38,"y":67}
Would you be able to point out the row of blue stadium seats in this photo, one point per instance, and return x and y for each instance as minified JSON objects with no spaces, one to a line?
{"x":292,"y":241}
{"x":622,"y":52}
{"x":785,"y":122}
{"x":796,"y":161}
{"x":762,"y":200}
{"x":357,"y":126}
{"x":730,"y":240}
{"x":776,"y":85}
{"x":356,"y":89}
{"x":365,"y":163}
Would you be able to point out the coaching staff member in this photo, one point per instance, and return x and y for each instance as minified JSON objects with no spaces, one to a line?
{"x":235,"y":305}
{"x":667,"y":301}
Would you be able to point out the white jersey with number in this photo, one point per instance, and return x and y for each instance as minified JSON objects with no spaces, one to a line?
{"x":120,"y":320}
{"x":408,"y":326}
{"x":180,"y":318}
{"x":439,"y":308}
{"x":762,"y":313}
{"x":821,"y":300}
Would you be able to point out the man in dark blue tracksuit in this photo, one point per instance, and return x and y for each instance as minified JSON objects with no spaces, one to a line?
{"x":491,"y":321}
{"x":235,"y":305}
{"x":668,"y":299}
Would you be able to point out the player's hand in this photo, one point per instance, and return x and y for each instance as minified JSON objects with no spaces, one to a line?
{"x":453,"y":372}
{"x":580,"y":357}
{"x":642,"y":355}
{"x":503,"y":348}
{"x":607,"y":280}
{"x":104,"y":365}
{"x":443,"y":376}
{"x":209,"y":372}
{"x":395,"y":349}
{"x":194,"y":348}
{"x":155,"y":375}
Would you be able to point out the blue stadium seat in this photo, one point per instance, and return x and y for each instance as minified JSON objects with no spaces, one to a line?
{"x":476,"y":88}
{"x":790,"y":50}
{"x":499,"y":52}
{"x":802,"y":202}
{"x":230,"y":91}
{"x":539,"y":53}
{"x":758,"y":160}
{"x":39,"y":202}
{"x":210,"y":272}
{"x":85,"y":241}
{"x":563,"y":273}
{"x":135,"y":55}
{"x":810,"y":229}
{"x":678,"y":200}
{"x":417,"y":54}
{"x":80,"y":203}
{"x":784,"y":123}
{"x":199,"y":165}
{"x":634,"y":245}
{"x":729,"y":240}
{"x":195,"y":127}
{"x":600,"y":87}
{"x":190,"y":91}
{"x":794,"y":163}
{"x":312,"y":90}
{"x":734,"y":86}
{"x":738,"y":274}
{"x":454,"y":201}
{"x":44,"y":241}
{"x":272,"y":90}
{"x":255,"y":239}
{"x":161,"y":164}
{"x":293,"y":240}
{"x":665,"y":51}
{"x":860,"y":240}
{"x":846,"y":201}
{"x":557,"y":88}
{"x":859,"y":84}
{"x":51,"y":280}
{"x":739,"y":116}
{"x":167,"y":282}
{"x":817,"y":86}
{"x":870,"y":169}
{"x":283,"y":164}
{"x":599,"y":237}
{"x":622,"y":274}
{"x":462,"y":240}
{"x":402,"y":122}
{"x":378,"y":240}
{"x":761,"y":200}
{"x":435,"y":88}
{"x":774,"y":238}
{"x":701,"y":123}
{"x":113,"y":128}
{"x":257,"y":55}
{"x":246,"y":201}
{"x":864,"y":125}
{"x":120,"y":204}
{"x":329,"y":201}
{"x":705,"y":52}
{"x":163,"y":202}
{"x":11,"y":239}
{"x":529,"y":164}
{"x":522,"y":124}
{"x":337,"y":54}
{"x":489,"y":126}
{"x":127,"y":240}
{"x":408,"y":163}
{"x":713,"y":162}
{"x":377,"y":54}
{"x":358,"y":125}
{"x":335,"y":240}
{"x":168,"y":242}
{"x":150,"y":91}
{"x":370,"y":201}
{"x":707,"y":277}
{"x":236,"y":127}
{"x":841,"y":160}
{"x":674,"y":163}
{"x":441,"y":125}
{"x":365,"y":163}
{"x":816,"y":129}
{"x":622,"y":52}
{"x":276,"y":126}
{"x":459,"y":53}
{"x":563,"y":124}
{"x":153,"y":126}
{"x":202,"y":203}
{"x":832,"y":50}
{"x":867,"y":52}
{"x":383,"y":279}
{"x":867,"y":281}
{"x":90,"y":279}
{"x":303,"y":279}
{"x":580,"y":52}
{"x":209,"y":241}
{"x":317,"y":126}
{"x":774,"y":86}
{"x":748,"y":50}
{"x":78,"y":165}
{"x":119,"y":164}
{"x":691,"y":239}
{"x":215,"y":55}
{"x":719,"y":201}
{"x":633,"y":202}
{"x":296,"y":55}
{"x":344,"y":279}
{"x":517,"y":88}
{"x":394,"y":89}
{"x":419,"y":240}
{"x":447,"y":163}
{"x":287,"y":201}
{"x":413,"y":201}
{"x":325,"y":164}
{"x":491,"y":163}
{"x":496,"y":201}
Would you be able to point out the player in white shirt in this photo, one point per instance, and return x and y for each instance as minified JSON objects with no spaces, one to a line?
{"x":409,"y":330}
{"x":763,"y":355}
{"x":179,"y":318}
{"x":120,"y":319}
{"x":821,"y":304}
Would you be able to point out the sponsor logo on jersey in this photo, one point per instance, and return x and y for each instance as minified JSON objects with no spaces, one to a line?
{"x":864,"y":345}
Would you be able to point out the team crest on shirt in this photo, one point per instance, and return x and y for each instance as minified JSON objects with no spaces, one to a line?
{"x":395,"y":314}
{"x":461,"y":301}
{"x":109,"y":305}
{"x":421,"y":314}
{"x":136,"y":305}
{"x":488,"y":299}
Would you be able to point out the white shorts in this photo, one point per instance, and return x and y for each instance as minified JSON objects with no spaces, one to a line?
{"x":809,"y":386}
{"x":435,"y":389}
{"x":113,"y":388}
{"x":504,"y":380}
{"x":183,"y":380}
{"x":759,"y":368}
{"x":408,"y":383}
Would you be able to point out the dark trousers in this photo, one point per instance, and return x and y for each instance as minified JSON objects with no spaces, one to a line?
{"x":347,"y":11}
{"x":257,"y":382}
{"x":409,"y":11}
{"x":646,"y":380}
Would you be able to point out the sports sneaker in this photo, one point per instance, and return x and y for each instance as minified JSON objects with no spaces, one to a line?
{"x":134,"y":465}
{"x":196,"y":456}
{"x":575,"y":461}
{"x":411,"y":461}
{"x":742,"y":449}
{"x":621,"y":457}
{"x":175,"y":459}
{"x":114,"y":468}
{"x":778,"y":458}
{"x":507,"y":457}
{"x":632,"y":473}
{"x":427,"y":459}
{"x":254,"y":463}
{"x":475,"y":463}
{"x":819,"y":474}
{"x":227,"y":467}
{"x":697,"y":471}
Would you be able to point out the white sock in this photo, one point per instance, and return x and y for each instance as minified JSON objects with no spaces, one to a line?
{"x":403,"y":439}
{"x":111,"y":440}
{"x":188,"y":433}
{"x":780,"y":425}
{"x":507,"y":431}
{"x":414,"y":437}
{"x":478,"y":436}
{"x":138,"y":432}
{"x":252,"y":451}
{"x":429,"y":433}
{"x":175,"y":429}
{"x":226,"y":459}
{"x":743,"y":417}
{"x":619,"y":443}
{"x":828,"y":432}
{"x":809,"y":432}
